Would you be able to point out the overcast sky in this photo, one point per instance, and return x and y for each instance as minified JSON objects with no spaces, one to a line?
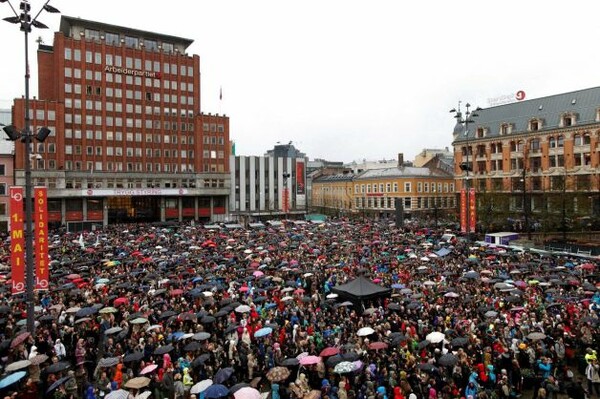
{"x":346,"y":80}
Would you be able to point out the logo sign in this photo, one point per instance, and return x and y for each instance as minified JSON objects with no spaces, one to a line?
{"x":506,"y":98}
{"x":40,"y":195}
{"x":133,"y":72}
{"x":17,"y":240}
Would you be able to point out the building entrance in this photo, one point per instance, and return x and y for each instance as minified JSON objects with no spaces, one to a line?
{"x":133,"y":209}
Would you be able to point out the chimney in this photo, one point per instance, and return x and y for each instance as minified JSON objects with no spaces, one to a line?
{"x":400,"y":159}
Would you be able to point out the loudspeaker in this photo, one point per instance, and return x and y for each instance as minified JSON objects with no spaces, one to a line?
{"x":399,"y":204}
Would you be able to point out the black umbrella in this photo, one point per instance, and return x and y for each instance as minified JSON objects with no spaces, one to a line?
{"x":57,"y":367}
{"x":426,"y":367}
{"x":223,"y":375}
{"x":292,"y":361}
{"x":238,"y":386}
{"x":58,"y":383}
{"x":459,"y":341}
{"x":448,"y":359}
{"x":167,"y":314}
{"x":85,"y":312}
{"x":423,"y":344}
{"x":199,"y":361}
{"x":161,"y":350}
{"x":133,"y":357}
{"x":231,"y":328}
{"x":192,"y":346}
{"x":109,"y":362}
{"x":207,"y":320}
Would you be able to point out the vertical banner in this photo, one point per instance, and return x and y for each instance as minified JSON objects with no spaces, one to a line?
{"x":286,"y":200}
{"x":472,"y":211}
{"x":463,"y":210}
{"x":300,"y":187}
{"x":40,"y":194}
{"x":17,"y":240}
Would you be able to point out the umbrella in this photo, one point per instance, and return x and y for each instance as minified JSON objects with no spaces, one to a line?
{"x":109,"y":362}
{"x":207,"y":319}
{"x":448,"y":359}
{"x":536,"y":336}
{"x":200,"y":386}
{"x":278,"y":373}
{"x":148,"y":369}
{"x":200,"y":359}
{"x":263,"y":332}
{"x":307,"y":360}
{"x":459,"y":341}
{"x":242,"y":309}
{"x":143,"y":395}
{"x":238,"y":386}
{"x":18,"y":365}
{"x":491,"y":313}
{"x":435,"y":337}
{"x":192,"y":346}
{"x":139,"y":320}
{"x":329,"y":352}
{"x":108,"y":309}
{"x":58,"y":383}
{"x":137,"y":382}
{"x":11,"y":379}
{"x":423,"y":344}
{"x":363,"y":332}
{"x":216,"y":391}
{"x":19,"y":339}
{"x":426,"y":367}
{"x":378,"y":345}
{"x":85,"y":312}
{"x":201,"y":336}
{"x":292,"y":361}
{"x":113,"y":330}
{"x":133,"y":357}
{"x":247,"y":393}
{"x":161,"y":350}
{"x":57,"y":367}
{"x":223,"y":375}
{"x":38,"y":359}
{"x":344,"y":367}
{"x":118,"y":394}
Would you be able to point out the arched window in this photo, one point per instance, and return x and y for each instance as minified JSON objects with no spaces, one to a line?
{"x":552,"y":142}
{"x":561,"y":141}
{"x":578,"y":139}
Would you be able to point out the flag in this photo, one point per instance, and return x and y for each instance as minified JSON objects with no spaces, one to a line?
{"x":220,"y":93}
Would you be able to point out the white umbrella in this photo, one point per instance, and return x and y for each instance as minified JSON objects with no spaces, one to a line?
{"x":435,"y":337}
{"x":242,"y":309}
{"x":118,"y":394}
{"x":143,"y":395}
{"x":363,"y":332}
{"x":247,"y":393}
{"x":201,"y":386}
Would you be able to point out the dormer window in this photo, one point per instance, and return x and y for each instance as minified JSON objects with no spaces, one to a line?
{"x":504,"y":129}
{"x":480,"y":133}
{"x":567,"y":120}
{"x":534,"y":125}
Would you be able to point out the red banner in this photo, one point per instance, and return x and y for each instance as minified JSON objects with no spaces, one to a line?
{"x":463,"y":210}
{"x":300,"y":188}
{"x":472,"y":211}
{"x":286,"y":200}
{"x":17,"y":240}
{"x":41,"y":237}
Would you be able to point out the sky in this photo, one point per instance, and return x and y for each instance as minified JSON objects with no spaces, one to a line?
{"x":349,"y":80}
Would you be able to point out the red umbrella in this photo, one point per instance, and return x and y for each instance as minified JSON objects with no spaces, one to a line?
{"x":176,"y":292}
{"x":121,"y":301}
{"x":73,"y":276}
{"x":19,"y":339}
{"x":378,"y":345}
{"x":331,"y":351}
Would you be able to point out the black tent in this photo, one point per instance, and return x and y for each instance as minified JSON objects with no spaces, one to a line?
{"x":361,"y":289}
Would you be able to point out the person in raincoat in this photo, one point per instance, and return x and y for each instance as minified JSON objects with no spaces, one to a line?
{"x":274,"y":391}
{"x":187,"y":380}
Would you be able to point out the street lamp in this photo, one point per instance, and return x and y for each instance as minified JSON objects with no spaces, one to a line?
{"x":525,"y":202}
{"x":24,"y":20}
{"x":465,"y":120}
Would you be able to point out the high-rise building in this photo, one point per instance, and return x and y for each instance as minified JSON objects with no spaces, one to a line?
{"x":129,"y":141}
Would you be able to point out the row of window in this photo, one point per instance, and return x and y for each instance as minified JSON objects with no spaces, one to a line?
{"x":114,"y":39}
{"x":558,"y":141}
{"x":393,"y":187}
{"x":130,"y":94}
{"x":130,"y":63}
{"x":117,"y":106}
{"x":408,"y":202}
{"x":128,"y":79}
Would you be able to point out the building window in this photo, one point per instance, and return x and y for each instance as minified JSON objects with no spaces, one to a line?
{"x":534,"y":125}
{"x":131,"y":42}
{"x":407,"y":187}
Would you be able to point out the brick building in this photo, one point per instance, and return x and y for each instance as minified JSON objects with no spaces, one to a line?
{"x":129,"y":141}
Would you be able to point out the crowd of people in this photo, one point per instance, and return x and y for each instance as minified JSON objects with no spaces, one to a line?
{"x":181,"y":311}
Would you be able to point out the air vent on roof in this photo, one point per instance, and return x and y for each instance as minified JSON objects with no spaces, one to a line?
{"x":540,"y":107}
{"x":573,"y":101}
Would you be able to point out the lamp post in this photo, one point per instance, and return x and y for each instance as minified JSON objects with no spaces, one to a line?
{"x":24,"y":20}
{"x":525,"y":202}
{"x":465,"y":120}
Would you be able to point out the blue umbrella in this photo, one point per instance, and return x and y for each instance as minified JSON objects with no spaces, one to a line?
{"x":216,"y":391}
{"x":263,"y":332}
{"x":398,"y":286}
{"x":12,"y":378}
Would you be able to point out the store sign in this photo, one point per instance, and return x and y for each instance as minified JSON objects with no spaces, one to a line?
{"x":133,"y":192}
{"x":506,"y":98}
{"x":133,"y":72}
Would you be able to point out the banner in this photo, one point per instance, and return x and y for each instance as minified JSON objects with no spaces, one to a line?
{"x":463,"y":210}
{"x":300,"y":186}
{"x":17,"y":240}
{"x":41,"y":237}
{"x":472,"y":211}
{"x":286,"y":200}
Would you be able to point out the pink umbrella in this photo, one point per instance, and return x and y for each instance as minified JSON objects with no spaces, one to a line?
{"x":311,"y":359}
{"x":247,"y":393}
{"x":258,"y":273}
{"x":377,"y":280}
{"x":378,"y":345}
{"x":148,"y":369}
{"x":244,"y":289}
